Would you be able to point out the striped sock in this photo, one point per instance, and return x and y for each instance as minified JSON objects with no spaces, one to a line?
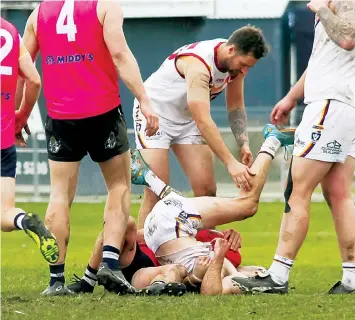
{"x":57,"y":273}
{"x":270,"y":146}
{"x":18,"y":220}
{"x":110,"y":255}
{"x":155,"y":184}
{"x":280,"y":269}
{"x":90,"y":276}
{"x":348,"y":275}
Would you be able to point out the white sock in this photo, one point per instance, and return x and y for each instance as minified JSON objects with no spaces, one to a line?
{"x":280,"y":269}
{"x":270,"y":146}
{"x":18,"y":221}
{"x":155,"y":184}
{"x":348,"y":275}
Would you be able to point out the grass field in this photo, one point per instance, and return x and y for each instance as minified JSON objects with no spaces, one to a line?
{"x":24,"y":275}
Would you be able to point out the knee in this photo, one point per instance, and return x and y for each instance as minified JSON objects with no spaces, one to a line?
{"x":335,"y":193}
{"x":205,"y":190}
{"x":178,"y":269}
{"x":251,"y":205}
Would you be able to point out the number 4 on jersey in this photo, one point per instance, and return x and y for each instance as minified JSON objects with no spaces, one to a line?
{"x":67,"y":13}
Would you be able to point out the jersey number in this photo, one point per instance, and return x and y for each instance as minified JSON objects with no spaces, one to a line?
{"x":5,"y":50}
{"x":69,"y":28}
{"x":188,"y":47}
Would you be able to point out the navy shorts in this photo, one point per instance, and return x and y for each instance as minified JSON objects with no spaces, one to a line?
{"x":8,"y":162}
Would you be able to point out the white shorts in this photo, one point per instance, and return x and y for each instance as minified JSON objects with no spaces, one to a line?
{"x":171,"y":218}
{"x":187,"y":257}
{"x":169,"y":132}
{"x":326,"y":132}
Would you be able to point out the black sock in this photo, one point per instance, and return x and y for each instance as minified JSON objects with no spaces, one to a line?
{"x":89,"y":279}
{"x":110,"y":255}
{"x":57,"y":273}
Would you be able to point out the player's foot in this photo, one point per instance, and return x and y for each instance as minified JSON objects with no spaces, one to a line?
{"x":139,"y":168}
{"x":285,"y":136}
{"x":45,"y":240}
{"x":80,"y":286}
{"x":261,"y":283}
{"x":113,"y":280}
{"x":160,"y":288}
{"x":57,"y":289}
{"x":339,"y":288}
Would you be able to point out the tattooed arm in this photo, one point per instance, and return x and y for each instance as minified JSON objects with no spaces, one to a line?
{"x":237,"y":115}
{"x":339,"y":22}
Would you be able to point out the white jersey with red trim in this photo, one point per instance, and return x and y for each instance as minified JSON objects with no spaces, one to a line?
{"x":331,"y":71}
{"x":167,"y":89}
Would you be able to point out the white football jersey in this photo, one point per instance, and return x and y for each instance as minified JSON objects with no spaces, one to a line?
{"x":331,"y":71}
{"x":167,"y":88}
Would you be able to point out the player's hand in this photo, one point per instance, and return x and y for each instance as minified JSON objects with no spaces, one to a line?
{"x":21,"y":122}
{"x":201,"y":266}
{"x":279,"y":115}
{"x":315,"y":5}
{"x":151,"y":117}
{"x":241,"y":174}
{"x":19,"y":140}
{"x":220,"y":248}
{"x":234,"y":239}
{"x":246,"y":156}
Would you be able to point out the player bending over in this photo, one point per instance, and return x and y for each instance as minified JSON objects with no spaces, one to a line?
{"x":170,"y":227}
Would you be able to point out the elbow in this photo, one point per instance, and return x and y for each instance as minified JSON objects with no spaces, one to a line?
{"x":348,"y":44}
{"x":35,"y":82}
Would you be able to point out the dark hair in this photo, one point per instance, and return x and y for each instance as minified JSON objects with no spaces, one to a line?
{"x":249,"y":39}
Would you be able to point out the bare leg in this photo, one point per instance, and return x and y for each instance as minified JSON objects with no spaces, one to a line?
{"x":337,"y":191}
{"x":8,"y":210}
{"x":198,"y":168}
{"x":158,"y":160}
{"x":64,"y":179}
{"x":116,"y":172}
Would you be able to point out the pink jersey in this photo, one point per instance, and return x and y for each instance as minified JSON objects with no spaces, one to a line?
{"x":79,"y":77}
{"x":10,"y":52}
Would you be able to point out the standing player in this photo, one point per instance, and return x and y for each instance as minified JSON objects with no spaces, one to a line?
{"x":324,"y":147}
{"x":82,"y":43}
{"x":180,"y":91}
{"x":15,"y":61}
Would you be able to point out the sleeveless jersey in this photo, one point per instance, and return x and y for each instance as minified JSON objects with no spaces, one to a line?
{"x":10,"y":53}
{"x":79,"y":77}
{"x":167,"y":88}
{"x":331,"y":71}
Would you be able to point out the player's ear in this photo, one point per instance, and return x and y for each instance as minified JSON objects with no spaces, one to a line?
{"x":232,"y":50}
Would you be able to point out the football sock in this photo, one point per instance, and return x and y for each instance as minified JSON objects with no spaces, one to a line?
{"x":348,"y":275}
{"x":57,"y":273}
{"x":280,"y":269}
{"x":110,"y":255}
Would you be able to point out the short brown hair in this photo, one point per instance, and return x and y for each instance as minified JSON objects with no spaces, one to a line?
{"x":249,"y":39}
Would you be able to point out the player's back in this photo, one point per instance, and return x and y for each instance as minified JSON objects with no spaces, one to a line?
{"x":79,"y":76}
{"x":10,"y":52}
{"x":331,"y":70}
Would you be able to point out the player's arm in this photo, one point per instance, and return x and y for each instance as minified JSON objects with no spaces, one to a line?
{"x":340,"y":24}
{"x":237,"y":117}
{"x":125,"y":61}
{"x":29,"y":45}
{"x":198,"y":97}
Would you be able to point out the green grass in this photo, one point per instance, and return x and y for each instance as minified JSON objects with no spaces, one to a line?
{"x":318,"y":267}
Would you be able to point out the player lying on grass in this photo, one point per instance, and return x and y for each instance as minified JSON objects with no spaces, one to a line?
{"x":170,"y":227}
{"x":143,"y":274}
{"x":143,"y":271}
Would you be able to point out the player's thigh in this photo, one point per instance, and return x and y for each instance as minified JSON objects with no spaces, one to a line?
{"x":7,"y":193}
{"x":64,"y":179}
{"x":197,"y":163}
{"x":143,"y":277}
{"x":8,"y":174}
{"x":337,"y":184}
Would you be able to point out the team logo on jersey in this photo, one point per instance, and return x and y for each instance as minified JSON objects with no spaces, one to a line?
{"x":111,"y":141}
{"x":315,"y":136}
{"x":333,"y":147}
{"x":50,"y":60}
{"x":53,"y":145}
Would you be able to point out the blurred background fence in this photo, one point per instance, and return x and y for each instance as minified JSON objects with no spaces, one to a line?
{"x":154,"y":29}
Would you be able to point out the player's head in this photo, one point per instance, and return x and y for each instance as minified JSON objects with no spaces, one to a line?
{"x":245,"y":47}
